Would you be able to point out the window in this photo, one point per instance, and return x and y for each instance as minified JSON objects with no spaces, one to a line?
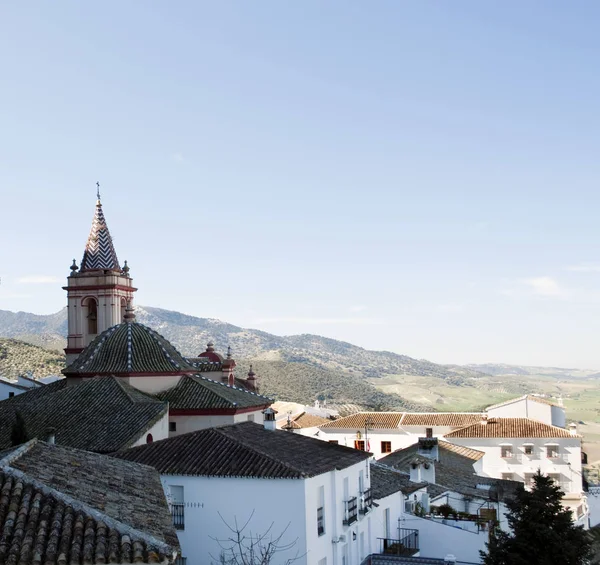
{"x":172,"y":426}
{"x":506,"y":451}
{"x":320,"y":521}
{"x":11,"y":394}
{"x":359,"y":444}
{"x":334,"y":441}
{"x":251,"y":418}
{"x":428,"y":432}
{"x":555,"y":477}
{"x":508,"y":476}
{"x":386,"y":447}
{"x":92,"y":316}
{"x":149,"y":438}
{"x":350,"y":511}
{"x":177,"y":507}
{"x":552,"y":451}
{"x":528,"y":449}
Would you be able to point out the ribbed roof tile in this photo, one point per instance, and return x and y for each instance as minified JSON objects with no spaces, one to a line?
{"x":510,"y":428}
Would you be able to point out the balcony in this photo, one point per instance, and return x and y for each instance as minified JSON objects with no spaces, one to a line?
{"x":178,"y":514}
{"x":350,"y":511}
{"x":366,"y":501}
{"x":407,"y":545}
{"x":557,"y":457}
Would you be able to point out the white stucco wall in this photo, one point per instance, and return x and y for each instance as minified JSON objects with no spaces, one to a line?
{"x":569,"y":466}
{"x":527,"y":408}
{"x":7,"y":388}
{"x":153,"y":384}
{"x":159,"y":431}
{"x":186,"y":424}
{"x":593,"y":500}
{"x":399,"y":438}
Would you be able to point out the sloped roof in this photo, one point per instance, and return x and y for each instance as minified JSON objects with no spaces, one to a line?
{"x":99,"y":251}
{"x":386,"y":480}
{"x":377,"y":420}
{"x":510,"y":428}
{"x":129,"y":348}
{"x":103,"y":414}
{"x":304,"y":420}
{"x":61,"y":505}
{"x":452,"y":419}
{"x":244,"y":450}
{"x":200,"y":393}
{"x":530,"y":397}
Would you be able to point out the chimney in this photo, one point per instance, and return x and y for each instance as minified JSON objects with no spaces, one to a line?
{"x":51,"y":436}
{"x":573,"y":429}
{"x":269,"y":419}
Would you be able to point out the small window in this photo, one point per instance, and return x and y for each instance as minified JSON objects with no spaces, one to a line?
{"x":428,"y":432}
{"x":172,"y":426}
{"x":506,"y":451}
{"x":320,"y":521}
{"x":11,"y":394}
{"x":386,"y":447}
{"x":528,"y":449}
{"x":149,"y":438}
{"x":555,"y":477}
{"x":359,"y":444}
{"x":251,"y":418}
{"x":552,"y":451}
{"x":334,"y":441}
{"x":508,"y":476}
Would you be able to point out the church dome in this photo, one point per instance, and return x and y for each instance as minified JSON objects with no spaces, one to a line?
{"x":126,"y":349}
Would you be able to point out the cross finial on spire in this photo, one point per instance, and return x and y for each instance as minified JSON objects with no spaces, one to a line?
{"x":98,"y":190}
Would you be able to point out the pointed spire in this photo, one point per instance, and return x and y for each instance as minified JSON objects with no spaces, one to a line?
{"x":99,"y":251}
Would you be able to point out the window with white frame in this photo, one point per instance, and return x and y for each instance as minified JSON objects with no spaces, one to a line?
{"x":506,"y":451}
{"x":528,"y":449}
{"x":552,"y":451}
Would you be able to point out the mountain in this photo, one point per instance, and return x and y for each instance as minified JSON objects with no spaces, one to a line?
{"x":191,"y":334}
{"x":18,"y":358}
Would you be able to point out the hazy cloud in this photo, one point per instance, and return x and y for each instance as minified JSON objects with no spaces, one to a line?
{"x":584,"y":268}
{"x":321,"y":321}
{"x":38,"y":279}
{"x":544,"y":286}
{"x":177,"y":157}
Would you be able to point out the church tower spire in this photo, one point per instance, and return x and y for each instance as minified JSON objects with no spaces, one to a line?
{"x":99,"y":291}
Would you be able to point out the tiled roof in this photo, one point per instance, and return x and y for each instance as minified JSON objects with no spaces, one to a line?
{"x":62,"y":506}
{"x":452,"y":419}
{"x":99,"y":251}
{"x":304,"y":420}
{"x":244,"y":450}
{"x":377,"y":420}
{"x":530,"y":397}
{"x":103,"y":414}
{"x":510,"y":428}
{"x":199,"y":393}
{"x":203,"y":365}
{"x":386,"y":480}
{"x":453,"y":471}
{"x":129,"y":348}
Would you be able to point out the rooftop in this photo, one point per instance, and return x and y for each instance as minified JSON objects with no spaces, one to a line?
{"x":304,"y":420}
{"x":451,"y":419}
{"x":200,"y":393}
{"x":510,"y":428}
{"x":391,"y":420}
{"x":244,"y":450}
{"x":529,"y":397}
{"x":386,"y":480}
{"x":376,"y":420}
{"x":103,"y":414}
{"x":60,"y":505}
{"x":129,"y":348}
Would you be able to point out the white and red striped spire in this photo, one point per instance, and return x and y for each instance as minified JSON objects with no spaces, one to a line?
{"x":99,"y":251}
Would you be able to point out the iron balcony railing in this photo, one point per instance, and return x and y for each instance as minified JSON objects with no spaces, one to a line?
{"x":350,"y":510}
{"x":366,"y":501}
{"x":178,"y":514}
{"x":407,"y":543}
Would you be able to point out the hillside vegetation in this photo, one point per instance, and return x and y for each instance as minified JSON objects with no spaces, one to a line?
{"x":17,"y":358}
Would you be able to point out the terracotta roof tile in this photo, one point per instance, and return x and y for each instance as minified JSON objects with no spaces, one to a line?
{"x":453,"y":419}
{"x":59,"y":506}
{"x":510,"y":428}
{"x":244,"y":450}
{"x":378,"y":420}
{"x":200,"y":393}
{"x":305,"y":420}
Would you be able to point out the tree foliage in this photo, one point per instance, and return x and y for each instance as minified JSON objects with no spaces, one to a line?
{"x":542,"y":531}
{"x":19,"y":434}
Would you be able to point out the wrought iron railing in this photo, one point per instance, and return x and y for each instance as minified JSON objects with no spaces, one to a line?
{"x":407,"y":543}
{"x":178,"y":514}
{"x":350,"y":510}
{"x":366,"y":501}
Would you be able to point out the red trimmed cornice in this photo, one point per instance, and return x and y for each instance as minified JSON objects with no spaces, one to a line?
{"x":101,"y":287}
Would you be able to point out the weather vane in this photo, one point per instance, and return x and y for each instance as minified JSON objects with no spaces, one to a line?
{"x":98,"y":190}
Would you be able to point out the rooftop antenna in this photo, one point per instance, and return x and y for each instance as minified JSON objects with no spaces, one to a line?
{"x":98,"y":190}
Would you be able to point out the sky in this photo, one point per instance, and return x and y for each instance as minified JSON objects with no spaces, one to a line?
{"x":420,"y":177}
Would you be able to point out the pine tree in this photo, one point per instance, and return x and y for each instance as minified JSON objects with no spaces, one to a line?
{"x":19,"y":433}
{"x":542,"y":531}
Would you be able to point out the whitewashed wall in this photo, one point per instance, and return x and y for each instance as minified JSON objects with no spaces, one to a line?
{"x":159,"y":431}
{"x":6,"y":389}
{"x":593,"y":500}
{"x":186,"y":424}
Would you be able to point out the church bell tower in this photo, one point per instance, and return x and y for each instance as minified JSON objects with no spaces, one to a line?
{"x":98,"y":291}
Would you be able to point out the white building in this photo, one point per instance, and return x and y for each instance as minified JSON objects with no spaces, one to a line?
{"x":316,"y":494}
{"x":381,"y":433}
{"x":530,"y":406}
{"x":516,"y":448}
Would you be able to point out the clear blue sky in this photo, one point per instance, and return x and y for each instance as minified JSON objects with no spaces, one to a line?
{"x":415,"y":176}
